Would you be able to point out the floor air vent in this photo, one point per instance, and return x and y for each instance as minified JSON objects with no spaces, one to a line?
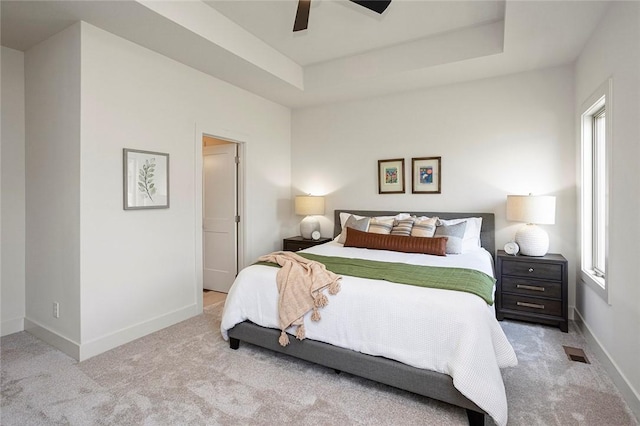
{"x":576,"y":354}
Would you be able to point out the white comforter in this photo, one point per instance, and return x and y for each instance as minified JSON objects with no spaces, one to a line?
{"x":450,"y":332}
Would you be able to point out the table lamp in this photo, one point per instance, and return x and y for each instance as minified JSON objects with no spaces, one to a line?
{"x":308,"y":206}
{"x":533,"y":210}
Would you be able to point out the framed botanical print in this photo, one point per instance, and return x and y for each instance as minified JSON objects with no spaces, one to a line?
{"x":391,"y":176}
{"x":146,"y":179}
{"x":426,"y":175}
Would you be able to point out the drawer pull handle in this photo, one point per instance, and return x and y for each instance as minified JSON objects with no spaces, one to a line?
{"x":530,"y":287}
{"x":530,"y":305}
{"x":530,"y":269}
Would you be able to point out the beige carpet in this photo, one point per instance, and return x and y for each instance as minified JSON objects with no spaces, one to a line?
{"x":186,"y":374}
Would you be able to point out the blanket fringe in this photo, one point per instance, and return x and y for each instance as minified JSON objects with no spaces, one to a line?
{"x":284,"y":339}
{"x":320,"y":300}
{"x":301,"y":283}
{"x":300,"y":332}
{"x":315,"y":316}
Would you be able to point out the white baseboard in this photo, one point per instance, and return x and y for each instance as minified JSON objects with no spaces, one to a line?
{"x":102,"y":344}
{"x":56,"y":340}
{"x":113,"y":340}
{"x":630,"y":395}
{"x":571,"y":311}
{"x":11,"y":326}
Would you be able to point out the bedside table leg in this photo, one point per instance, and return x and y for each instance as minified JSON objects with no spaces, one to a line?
{"x":564,"y":326}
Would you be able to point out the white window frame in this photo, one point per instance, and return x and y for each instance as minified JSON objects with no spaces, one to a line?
{"x":590,"y":274}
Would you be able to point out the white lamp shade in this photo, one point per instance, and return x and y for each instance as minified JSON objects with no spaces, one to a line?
{"x":537,"y":209}
{"x":306,"y":205}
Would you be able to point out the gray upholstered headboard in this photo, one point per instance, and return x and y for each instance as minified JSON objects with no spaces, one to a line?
{"x":487,"y":234}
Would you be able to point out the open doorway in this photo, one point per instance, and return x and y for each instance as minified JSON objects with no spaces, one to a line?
{"x":221,"y":217}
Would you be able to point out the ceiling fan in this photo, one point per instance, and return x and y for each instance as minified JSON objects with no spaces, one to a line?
{"x":302,"y":15}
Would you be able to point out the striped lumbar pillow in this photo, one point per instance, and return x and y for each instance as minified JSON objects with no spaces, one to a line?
{"x":380,"y":226}
{"x":402,"y":227}
{"x":424,"y":227}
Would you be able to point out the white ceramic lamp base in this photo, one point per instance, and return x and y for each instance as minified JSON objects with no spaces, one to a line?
{"x":533,"y":240}
{"x":307,"y":226}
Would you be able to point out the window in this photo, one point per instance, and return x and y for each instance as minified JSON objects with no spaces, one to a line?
{"x":595,"y":148}
{"x":599,"y":193}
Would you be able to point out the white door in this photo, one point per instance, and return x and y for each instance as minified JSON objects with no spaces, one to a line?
{"x":220,"y":228}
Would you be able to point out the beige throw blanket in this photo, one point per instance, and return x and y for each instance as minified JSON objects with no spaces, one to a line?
{"x":300,"y":285}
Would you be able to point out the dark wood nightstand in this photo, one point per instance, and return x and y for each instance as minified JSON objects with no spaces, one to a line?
{"x":299,"y":243}
{"x":532,"y":289}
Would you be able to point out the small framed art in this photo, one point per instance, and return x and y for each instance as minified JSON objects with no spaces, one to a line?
{"x":391,"y":176}
{"x":426,"y":175}
{"x":146,"y":179}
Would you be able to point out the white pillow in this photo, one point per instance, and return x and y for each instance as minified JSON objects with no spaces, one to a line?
{"x":361,"y":224}
{"x":399,"y":216}
{"x":344,"y":216}
{"x":471,"y":238}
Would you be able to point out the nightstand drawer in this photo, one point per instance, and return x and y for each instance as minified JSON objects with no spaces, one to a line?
{"x":299,"y":243}
{"x":531,"y":304}
{"x":292,"y":246}
{"x":543,"y":271}
{"x":533,"y":288}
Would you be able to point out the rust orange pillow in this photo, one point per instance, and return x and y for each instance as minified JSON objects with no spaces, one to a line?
{"x":436,"y":246}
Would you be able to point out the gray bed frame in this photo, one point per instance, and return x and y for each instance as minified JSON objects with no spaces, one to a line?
{"x":428,"y":383}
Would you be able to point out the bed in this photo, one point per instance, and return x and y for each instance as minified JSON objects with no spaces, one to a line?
{"x":471,"y":382}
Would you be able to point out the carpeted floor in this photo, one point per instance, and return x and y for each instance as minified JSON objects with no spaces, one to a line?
{"x":186,"y":374}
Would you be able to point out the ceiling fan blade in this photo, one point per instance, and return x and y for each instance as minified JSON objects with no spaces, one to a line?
{"x":302,"y":15}
{"x":375,"y":5}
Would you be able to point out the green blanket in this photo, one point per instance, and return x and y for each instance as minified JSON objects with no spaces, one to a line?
{"x":460,"y":279}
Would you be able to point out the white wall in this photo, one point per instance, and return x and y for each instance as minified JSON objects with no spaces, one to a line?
{"x":52,"y":83}
{"x":139,"y":268}
{"x":13,"y":193}
{"x":614,"y":51}
{"x":117,"y":274}
{"x":507,"y":135}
